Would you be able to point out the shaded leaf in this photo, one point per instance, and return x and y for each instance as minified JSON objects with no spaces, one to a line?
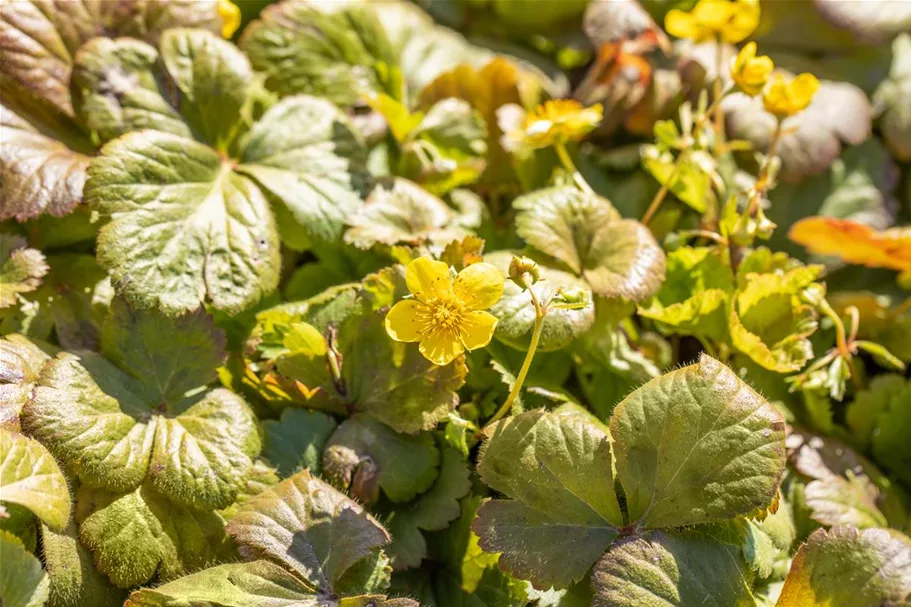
{"x":296,"y":441}
{"x":30,"y":477}
{"x":617,"y":257}
{"x":846,"y":567}
{"x":697,"y":445}
{"x":431,"y":511}
{"x":22,"y":581}
{"x":661,"y":569}
{"x":309,"y":528}
{"x":557,"y":467}
{"x":363,"y":450}
{"x":835,"y":500}
{"x":136,"y":535}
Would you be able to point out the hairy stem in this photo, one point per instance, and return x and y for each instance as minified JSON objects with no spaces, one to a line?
{"x":540,"y":312}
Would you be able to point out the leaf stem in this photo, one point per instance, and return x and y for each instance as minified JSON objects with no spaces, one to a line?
{"x":762,"y":181}
{"x":661,"y":194}
{"x":540,"y":312}
{"x":842,"y":344}
{"x":568,"y":164}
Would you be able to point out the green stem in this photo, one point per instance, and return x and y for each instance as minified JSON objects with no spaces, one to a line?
{"x":662,"y":193}
{"x":568,"y":164}
{"x":841,"y":341}
{"x":762,"y":181}
{"x":717,"y":94}
{"x":540,"y":312}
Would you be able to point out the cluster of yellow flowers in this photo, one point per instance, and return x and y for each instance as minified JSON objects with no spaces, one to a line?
{"x":553,"y":122}
{"x":732,"y":21}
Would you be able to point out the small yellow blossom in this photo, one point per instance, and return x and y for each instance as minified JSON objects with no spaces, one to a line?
{"x":751,"y":73}
{"x":230,"y":18}
{"x":553,"y":122}
{"x":731,"y":21}
{"x":787,"y":98}
{"x":447,"y":314}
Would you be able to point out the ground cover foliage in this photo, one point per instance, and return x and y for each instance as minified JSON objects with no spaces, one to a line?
{"x":478,"y":303}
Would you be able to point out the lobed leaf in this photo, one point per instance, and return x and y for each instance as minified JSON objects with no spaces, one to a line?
{"x":297,"y":440}
{"x":617,"y":257}
{"x":75,"y":582}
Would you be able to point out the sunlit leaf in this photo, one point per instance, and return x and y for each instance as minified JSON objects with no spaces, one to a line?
{"x":23,"y":583}
{"x":30,"y":477}
{"x":21,"y":269}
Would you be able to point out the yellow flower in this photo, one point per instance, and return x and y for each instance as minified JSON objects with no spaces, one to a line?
{"x":447,"y":314}
{"x":750,"y":72}
{"x":787,"y":98}
{"x":552,"y":122}
{"x":230,"y":18}
{"x":731,"y":21}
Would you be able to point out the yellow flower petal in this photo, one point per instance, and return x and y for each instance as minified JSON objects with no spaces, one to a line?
{"x":714,"y":14}
{"x":479,"y":286}
{"x":441,"y":347}
{"x":751,"y":73}
{"x":406,"y":320}
{"x":477,"y":329}
{"x":428,"y":279}
{"x":802,"y":90}
{"x":743,"y":22}
{"x":682,"y":25}
{"x":230,"y":18}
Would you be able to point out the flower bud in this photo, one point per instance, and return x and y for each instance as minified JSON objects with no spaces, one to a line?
{"x":524,"y":272}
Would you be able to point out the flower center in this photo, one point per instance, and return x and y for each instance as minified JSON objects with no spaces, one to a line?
{"x":446,"y":314}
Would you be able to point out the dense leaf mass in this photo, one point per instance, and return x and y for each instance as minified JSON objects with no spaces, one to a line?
{"x":476,"y":303}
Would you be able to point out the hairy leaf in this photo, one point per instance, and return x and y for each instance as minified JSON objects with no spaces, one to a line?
{"x":133,"y":536}
{"x":697,"y":445}
{"x":557,"y":467}
{"x":845,"y":567}
{"x":30,"y":477}
{"x":21,"y":362}
{"x":618,"y":257}
{"x":308,"y":527}
{"x":835,"y":500}
{"x":21,"y":269}
{"x":663,"y":569}
{"x":75,"y":582}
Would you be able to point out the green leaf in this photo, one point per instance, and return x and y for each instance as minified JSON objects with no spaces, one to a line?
{"x":74,"y":580}
{"x":864,"y":414}
{"x":401,"y":212}
{"x":21,"y":269}
{"x":697,"y":445}
{"x":256,"y":584}
{"x":684,"y":177}
{"x":102,"y":424}
{"x":557,"y":467}
{"x":22,"y":581}
{"x":205,"y":67}
{"x":890,"y":444}
{"x":116,"y":90}
{"x":517,"y":313}
{"x":305,"y":153}
{"x":431,"y":511}
{"x":184,"y":227}
{"x":308,"y":527}
{"x":327,"y":50}
{"x":142,"y":342}
{"x":662,"y":569}
{"x":835,"y":500}
{"x":471,"y":577}
{"x":845,"y":567}
{"x":21,"y":362}
{"x":770,"y":322}
{"x":618,"y":257}
{"x":363,"y":453}
{"x":297,"y":440}
{"x":393,"y":381}
{"x":30,"y":477}
{"x":894,"y":96}
{"x":41,"y":41}
{"x":133,"y":536}
{"x":693,"y":298}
